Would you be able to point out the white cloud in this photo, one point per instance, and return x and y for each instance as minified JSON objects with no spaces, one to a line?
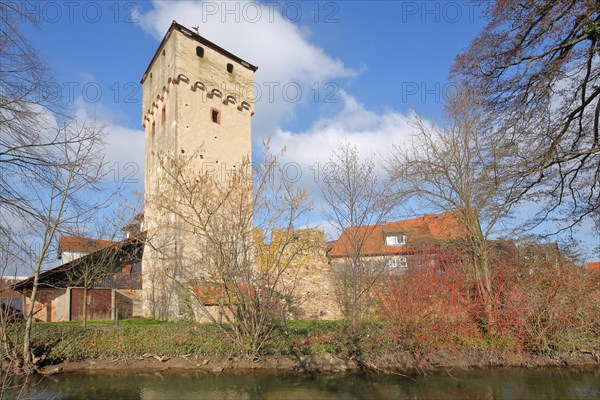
{"x":309,"y":151}
{"x":123,"y":147}
{"x":373,"y":134}
{"x":285,"y":54}
{"x":281,"y":49}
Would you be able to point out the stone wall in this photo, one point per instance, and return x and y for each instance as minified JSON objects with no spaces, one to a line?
{"x":310,"y":275}
{"x":51,"y":305}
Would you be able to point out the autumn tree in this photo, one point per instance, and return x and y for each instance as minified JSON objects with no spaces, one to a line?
{"x":460,"y":168}
{"x":211,"y":240}
{"x":354,"y":196}
{"x":537,"y":66}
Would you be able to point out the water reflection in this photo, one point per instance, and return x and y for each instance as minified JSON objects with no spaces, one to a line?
{"x":473,"y":384}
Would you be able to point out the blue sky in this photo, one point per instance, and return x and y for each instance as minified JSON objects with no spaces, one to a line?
{"x":362,"y":67}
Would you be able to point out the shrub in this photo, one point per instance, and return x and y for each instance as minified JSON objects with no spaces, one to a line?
{"x":427,"y":309}
{"x":550,"y":309}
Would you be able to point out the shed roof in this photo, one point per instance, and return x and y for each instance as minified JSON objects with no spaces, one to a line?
{"x":126,"y":252}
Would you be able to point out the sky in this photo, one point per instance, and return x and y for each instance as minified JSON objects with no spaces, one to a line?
{"x":328,"y":72}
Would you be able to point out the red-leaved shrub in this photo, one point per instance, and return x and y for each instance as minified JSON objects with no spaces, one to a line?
{"x":425,"y":308}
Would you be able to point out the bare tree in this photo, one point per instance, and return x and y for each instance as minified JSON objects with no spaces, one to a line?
{"x":537,"y":65}
{"x":355,"y":202}
{"x":60,"y":199}
{"x":213,"y":249}
{"x":460,"y":168}
{"x":108,"y":253}
{"x":47,"y":158}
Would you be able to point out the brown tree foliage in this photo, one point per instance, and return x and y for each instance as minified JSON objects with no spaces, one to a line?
{"x":536,"y":64}
{"x":460,"y":168}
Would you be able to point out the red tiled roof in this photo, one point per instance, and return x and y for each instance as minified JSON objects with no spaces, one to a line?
{"x":417,"y":230}
{"x":79,"y":244}
{"x":594,"y":265}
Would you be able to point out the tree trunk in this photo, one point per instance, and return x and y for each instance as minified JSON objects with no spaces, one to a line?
{"x":484,"y":280}
{"x":27,"y":353}
{"x":85,"y":294}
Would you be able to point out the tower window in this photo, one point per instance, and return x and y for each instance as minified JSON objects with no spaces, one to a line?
{"x":153,"y":128}
{"x":215,"y":115}
{"x":164,"y":114}
{"x":229,"y":67}
{"x":200,"y":51}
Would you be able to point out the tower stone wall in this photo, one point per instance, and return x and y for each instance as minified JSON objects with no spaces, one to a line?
{"x":197,"y":103}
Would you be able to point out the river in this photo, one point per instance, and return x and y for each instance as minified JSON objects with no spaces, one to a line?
{"x":513,"y":383}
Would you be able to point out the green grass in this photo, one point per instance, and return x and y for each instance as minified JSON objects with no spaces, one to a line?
{"x":56,"y":341}
{"x":122,"y":323}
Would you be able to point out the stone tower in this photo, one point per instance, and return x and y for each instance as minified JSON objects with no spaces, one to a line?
{"x":197,"y":101}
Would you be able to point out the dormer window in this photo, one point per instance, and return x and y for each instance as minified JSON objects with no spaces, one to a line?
{"x":395,"y":240}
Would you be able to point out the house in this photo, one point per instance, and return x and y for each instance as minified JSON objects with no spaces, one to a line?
{"x":12,"y":301}
{"x":396,"y":246}
{"x":594,"y":265}
{"x":113,"y":272}
{"x":71,"y":247}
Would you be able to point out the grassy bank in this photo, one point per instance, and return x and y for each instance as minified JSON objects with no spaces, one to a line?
{"x":58,"y":342}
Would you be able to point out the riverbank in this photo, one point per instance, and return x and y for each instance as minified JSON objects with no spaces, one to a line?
{"x":300,"y":346}
{"x":317,"y":364}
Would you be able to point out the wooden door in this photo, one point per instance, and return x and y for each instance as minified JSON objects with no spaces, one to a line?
{"x":99,"y":304}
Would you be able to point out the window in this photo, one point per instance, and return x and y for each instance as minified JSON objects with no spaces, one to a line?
{"x":200,"y":51}
{"x":391,"y":241}
{"x":164,"y":114}
{"x":153,"y":128}
{"x":395,"y":240}
{"x":215,"y":115}
{"x":229,"y":67}
{"x":396,"y":262}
